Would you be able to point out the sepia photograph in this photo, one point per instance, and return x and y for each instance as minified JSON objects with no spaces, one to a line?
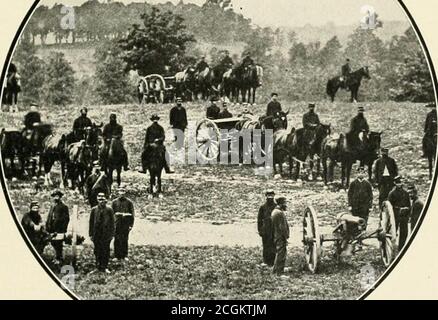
{"x":218,"y":149}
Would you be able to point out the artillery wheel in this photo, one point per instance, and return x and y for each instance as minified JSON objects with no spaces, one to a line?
{"x":311,"y":239}
{"x":388,"y":234}
{"x":207,"y":139}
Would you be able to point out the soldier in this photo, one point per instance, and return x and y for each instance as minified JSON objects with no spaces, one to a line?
{"x":430,"y":127}
{"x":155,"y":134}
{"x":80,"y":124}
{"x":201,"y":65}
{"x":416,"y":205}
{"x":57,"y":222}
{"x":32,"y":118}
{"x":33,"y":226}
{"x":345,"y":71}
{"x":96,"y":183}
{"x":225,"y":114}
{"x":247,"y":60}
{"x":281,"y":235}
{"x":358,"y":125}
{"x":213,"y":110}
{"x":385,"y":170}
{"x":401,"y":204}
{"x":227,"y":62}
{"x":113,"y":130}
{"x":310,"y":123}
{"x":273,"y":106}
{"x":178,"y":121}
{"x":101,"y":231}
{"x":124,"y":221}
{"x":360,"y":197}
{"x":264,"y":226}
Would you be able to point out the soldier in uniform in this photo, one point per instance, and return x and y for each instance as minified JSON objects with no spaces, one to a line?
{"x":273,"y":106}
{"x":430,"y":127}
{"x":101,"y":231}
{"x":416,"y":205}
{"x":112,"y":130}
{"x":264,"y":226}
{"x":247,"y":60}
{"x":57,"y":222}
{"x":201,"y":65}
{"x":80,"y":124}
{"x":345,"y":71}
{"x":358,"y":125}
{"x":401,"y":204}
{"x":360,"y":197}
{"x":310,"y":123}
{"x":227,"y":62}
{"x":213,"y":110}
{"x":178,"y":121}
{"x":385,"y":170}
{"x":33,"y":225}
{"x":124,"y":221}
{"x":155,"y":134}
{"x":96,"y":183}
{"x":32,"y":118}
{"x":225,"y":114}
{"x":281,"y":235}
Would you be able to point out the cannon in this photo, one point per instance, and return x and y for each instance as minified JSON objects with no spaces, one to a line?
{"x":349,"y":231}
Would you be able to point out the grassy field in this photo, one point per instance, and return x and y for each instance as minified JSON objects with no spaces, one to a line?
{"x":229,"y":194}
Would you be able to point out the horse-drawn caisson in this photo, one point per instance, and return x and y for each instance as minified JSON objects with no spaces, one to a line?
{"x":349,"y":231}
{"x":156,"y":88}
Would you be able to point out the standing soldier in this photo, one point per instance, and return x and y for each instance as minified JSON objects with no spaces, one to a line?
{"x":33,"y":226}
{"x":178,"y":121}
{"x":101,"y":231}
{"x":385,"y":171}
{"x":124,"y":221}
{"x":401,"y":204}
{"x":416,"y":205}
{"x":57,"y":222}
{"x":264,"y":226}
{"x":430,"y":127}
{"x":213,"y":110}
{"x":360,"y":197}
{"x":358,"y":125}
{"x":80,"y":124}
{"x":155,"y":134}
{"x":281,"y":235}
{"x":273,"y":106}
{"x":345,"y":71}
{"x":96,"y":183}
{"x":225,"y":114}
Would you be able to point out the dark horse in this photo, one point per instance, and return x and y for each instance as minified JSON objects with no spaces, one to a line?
{"x":251,"y":79}
{"x":13,"y":145}
{"x":114,"y":160}
{"x":54,"y":149}
{"x":154,"y":160}
{"x":12,"y":89}
{"x":353,"y":83}
{"x":430,"y":142}
{"x":185,"y":84}
{"x":336,"y":150}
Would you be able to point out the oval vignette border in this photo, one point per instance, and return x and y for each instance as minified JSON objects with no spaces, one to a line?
{"x":364,"y":296}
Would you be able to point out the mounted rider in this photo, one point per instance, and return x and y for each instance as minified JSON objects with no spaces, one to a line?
{"x":154,"y":135}
{"x":274,"y":106}
{"x":359,"y":130}
{"x":430,"y":127}
{"x":310,"y":123}
{"x":226,"y":62}
{"x":81,"y":124}
{"x":345,"y":71}
{"x":31,"y":119}
{"x":112,"y":130}
{"x":201,"y":65}
{"x":247,"y":61}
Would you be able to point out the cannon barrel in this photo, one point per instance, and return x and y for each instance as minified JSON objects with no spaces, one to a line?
{"x":345,"y":217}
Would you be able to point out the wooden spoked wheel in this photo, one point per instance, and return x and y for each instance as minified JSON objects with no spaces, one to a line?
{"x":311,"y":239}
{"x":388,"y":234}
{"x":208,"y":139}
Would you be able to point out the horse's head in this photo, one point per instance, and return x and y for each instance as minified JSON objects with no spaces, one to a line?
{"x":41,"y":131}
{"x":279,"y":120}
{"x":366,"y":72}
{"x":374,"y":141}
{"x":323,"y":131}
{"x":92,"y":134}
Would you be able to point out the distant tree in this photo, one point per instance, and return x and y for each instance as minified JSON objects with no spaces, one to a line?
{"x":260,"y":44}
{"x":112,"y":80}
{"x":160,"y":42}
{"x":331,"y":53}
{"x":31,"y":69}
{"x":59,"y":81}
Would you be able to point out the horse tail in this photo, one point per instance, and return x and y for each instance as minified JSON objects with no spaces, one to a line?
{"x":329,"y":87}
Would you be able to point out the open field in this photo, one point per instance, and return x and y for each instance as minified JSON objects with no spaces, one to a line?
{"x":198,"y":199}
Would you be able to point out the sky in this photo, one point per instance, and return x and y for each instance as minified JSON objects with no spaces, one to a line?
{"x":292,"y":13}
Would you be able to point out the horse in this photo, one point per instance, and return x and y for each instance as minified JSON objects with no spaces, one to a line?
{"x":308,"y":145}
{"x":353,"y":83}
{"x":114,"y":160}
{"x":230,"y":84}
{"x":205,"y":83}
{"x":54,"y":149}
{"x":79,"y":164}
{"x":336,"y":150}
{"x":185,"y":83}
{"x":430,"y":151}
{"x":13,"y":145}
{"x":142,"y":90}
{"x":11,"y":91}
{"x":283,"y":149}
{"x":251,"y":79}
{"x":34,"y":143}
{"x":153,"y":159}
